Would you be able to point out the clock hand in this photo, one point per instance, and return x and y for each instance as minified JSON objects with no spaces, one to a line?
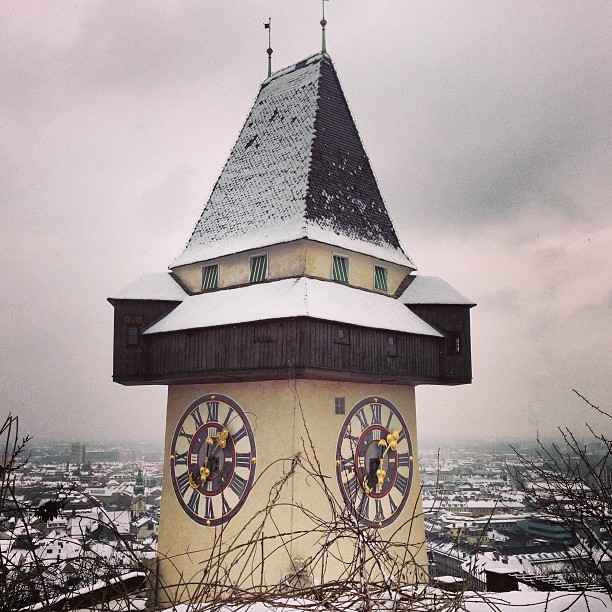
{"x":389,"y":444}
{"x":221,"y":439}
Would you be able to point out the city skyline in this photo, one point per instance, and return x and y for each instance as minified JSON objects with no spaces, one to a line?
{"x":488,"y":128}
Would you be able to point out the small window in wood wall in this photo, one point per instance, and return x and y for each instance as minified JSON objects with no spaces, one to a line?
{"x":455,"y":344}
{"x":267,"y":332}
{"x":341,"y":336}
{"x":132,"y":330}
{"x":391,"y":346}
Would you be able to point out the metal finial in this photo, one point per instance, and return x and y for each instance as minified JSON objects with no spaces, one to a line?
{"x":323,"y":24}
{"x":268,"y":26}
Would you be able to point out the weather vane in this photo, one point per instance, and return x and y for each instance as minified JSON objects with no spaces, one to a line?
{"x":323,"y":24}
{"x":268,"y":26}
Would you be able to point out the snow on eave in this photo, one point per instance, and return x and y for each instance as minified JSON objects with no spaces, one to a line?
{"x":289,"y":298}
{"x":382,"y":251}
{"x":212,"y":252}
{"x":433,"y":290}
{"x":152,"y":286}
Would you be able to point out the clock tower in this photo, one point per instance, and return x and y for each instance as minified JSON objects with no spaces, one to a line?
{"x":291,"y":332}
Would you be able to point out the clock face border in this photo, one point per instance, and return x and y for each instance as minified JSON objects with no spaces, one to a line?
{"x":240,"y":467}
{"x":348,"y":467}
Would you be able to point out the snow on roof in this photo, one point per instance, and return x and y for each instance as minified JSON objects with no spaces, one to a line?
{"x":152,"y":286}
{"x":301,"y":297}
{"x":297,"y":170}
{"x":432,"y":290}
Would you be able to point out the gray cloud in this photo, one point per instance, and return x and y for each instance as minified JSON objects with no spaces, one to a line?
{"x":488,"y":126}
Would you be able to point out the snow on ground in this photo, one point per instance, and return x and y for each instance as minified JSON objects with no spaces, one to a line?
{"x":436,"y":600}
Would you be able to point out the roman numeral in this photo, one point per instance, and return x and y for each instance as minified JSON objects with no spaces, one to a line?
{"x":376,"y":414}
{"x":183,"y":483}
{"x":379,"y":513}
{"x":180,"y":459}
{"x":238,"y":485}
{"x":213,"y":411}
{"x":228,"y":416}
{"x":351,"y":487}
{"x":361,"y":417}
{"x":402,"y":435}
{"x":403,"y":459}
{"x":353,"y":439}
{"x":388,"y":425}
{"x":401,"y":484}
{"x":243,"y":460}
{"x":226,"y":509}
{"x":184,"y":434}
{"x":197,"y":417}
{"x":194,"y":501}
{"x":364,"y":510}
{"x":209,"y":512}
{"x":392,"y":504}
{"x":239,"y":435}
{"x":346,"y":462}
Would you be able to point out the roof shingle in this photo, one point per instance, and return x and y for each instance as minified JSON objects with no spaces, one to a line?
{"x":298,"y":170}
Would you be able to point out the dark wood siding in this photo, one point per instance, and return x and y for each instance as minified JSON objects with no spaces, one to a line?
{"x":366,"y":351}
{"x":129,"y":361}
{"x":286,"y":348}
{"x":454,"y":322}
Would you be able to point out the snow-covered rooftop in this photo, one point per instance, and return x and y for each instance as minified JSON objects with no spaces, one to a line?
{"x":432,"y":290}
{"x":152,"y":286}
{"x":298,"y":170}
{"x":301,"y":297}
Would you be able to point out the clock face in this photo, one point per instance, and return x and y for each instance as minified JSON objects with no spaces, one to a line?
{"x":212,"y":459}
{"x":374,"y":462}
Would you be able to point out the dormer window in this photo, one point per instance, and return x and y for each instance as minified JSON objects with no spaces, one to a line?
{"x":210,"y":277}
{"x":259,"y":269}
{"x":340,"y":268}
{"x":380,"y":278}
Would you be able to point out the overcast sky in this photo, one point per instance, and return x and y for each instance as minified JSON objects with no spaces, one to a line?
{"x":488,"y":125}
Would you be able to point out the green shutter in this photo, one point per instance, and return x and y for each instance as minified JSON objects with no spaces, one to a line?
{"x":380,"y":278}
{"x":210,"y":277}
{"x":259,"y":269}
{"x":340,"y":268}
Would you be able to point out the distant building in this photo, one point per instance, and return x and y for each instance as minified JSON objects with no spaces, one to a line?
{"x":77,"y":453}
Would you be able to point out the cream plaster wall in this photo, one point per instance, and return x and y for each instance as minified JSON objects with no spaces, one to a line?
{"x":298,"y":258}
{"x":361,"y":267}
{"x":286,"y":416}
{"x":284,"y":260}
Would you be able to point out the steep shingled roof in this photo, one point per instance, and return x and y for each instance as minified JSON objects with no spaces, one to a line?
{"x":297,"y":170}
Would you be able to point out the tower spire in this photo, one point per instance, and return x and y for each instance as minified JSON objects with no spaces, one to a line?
{"x":268,"y":26}
{"x":323,"y":24}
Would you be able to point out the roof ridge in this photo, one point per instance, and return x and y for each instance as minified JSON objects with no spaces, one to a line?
{"x":292,"y":67}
